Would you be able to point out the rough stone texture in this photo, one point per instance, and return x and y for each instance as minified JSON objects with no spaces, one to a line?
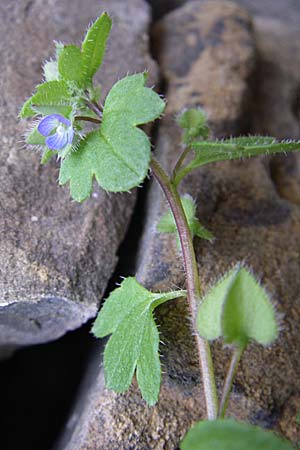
{"x":240,"y":204}
{"x":221,"y":55}
{"x":277,"y":96}
{"x":277,"y":81}
{"x":56,"y":256}
{"x":288,"y":10}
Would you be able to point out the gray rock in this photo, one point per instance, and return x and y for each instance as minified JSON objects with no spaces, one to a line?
{"x":56,"y":256}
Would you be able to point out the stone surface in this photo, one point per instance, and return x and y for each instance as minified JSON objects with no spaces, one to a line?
{"x":288,"y":11}
{"x":239,"y":202}
{"x":56,"y":256}
{"x":223,"y":50}
{"x":276,"y":90}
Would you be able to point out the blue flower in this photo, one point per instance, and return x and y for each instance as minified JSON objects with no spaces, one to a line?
{"x":58,"y":131}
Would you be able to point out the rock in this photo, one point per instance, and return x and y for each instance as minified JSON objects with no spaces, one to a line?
{"x":276,"y":85}
{"x":221,"y":58}
{"x":229,"y":66}
{"x":56,"y":256}
{"x":287,"y":11}
{"x":237,"y":201}
{"x":277,"y":100}
{"x":160,"y":8}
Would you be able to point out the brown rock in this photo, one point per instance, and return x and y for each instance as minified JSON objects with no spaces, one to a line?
{"x":239,"y":203}
{"x":277,"y":99}
{"x":56,"y":256}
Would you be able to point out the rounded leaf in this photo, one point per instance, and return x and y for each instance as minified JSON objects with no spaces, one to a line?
{"x":228,"y":434}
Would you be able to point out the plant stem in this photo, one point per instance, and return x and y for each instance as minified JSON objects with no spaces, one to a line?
{"x":88,"y":119}
{"x":179,"y":163}
{"x":193,"y":285}
{"x":95,"y":108}
{"x":237,"y":354}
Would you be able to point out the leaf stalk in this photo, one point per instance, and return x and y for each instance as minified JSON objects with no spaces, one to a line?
{"x":236,"y":357}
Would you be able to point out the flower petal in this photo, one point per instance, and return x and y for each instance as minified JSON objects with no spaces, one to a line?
{"x":48,"y":124}
{"x":57,"y":141}
{"x":63,"y":119}
{"x":70,"y":135}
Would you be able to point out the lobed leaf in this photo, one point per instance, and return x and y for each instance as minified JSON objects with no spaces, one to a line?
{"x":49,"y":94}
{"x":126,"y":297}
{"x":238,"y":309}
{"x":64,"y":110}
{"x":118,"y":155}
{"x":228,"y":434}
{"x":206,"y":152}
{"x":134,"y":344}
{"x":167,"y":223}
{"x":93,"y":46}
{"x":148,"y":371}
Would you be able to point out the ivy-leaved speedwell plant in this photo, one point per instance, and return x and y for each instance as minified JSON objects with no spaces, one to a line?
{"x":117,"y":154}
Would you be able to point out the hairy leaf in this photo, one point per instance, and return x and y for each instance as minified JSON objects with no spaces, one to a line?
{"x":52,"y":93}
{"x":235,"y":148}
{"x":93,"y":46}
{"x":47,"y":155}
{"x":51,"y":71}
{"x":127,"y":315}
{"x":70,"y":64}
{"x":118,"y":155}
{"x":228,"y":434}
{"x":35,"y":138}
{"x":238,"y":309}
{"x":167,"y":222}
{"x":194,"y":122}
{"x":56,"y":109}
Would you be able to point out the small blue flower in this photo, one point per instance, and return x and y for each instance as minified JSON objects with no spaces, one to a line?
{"x":63,"y":134}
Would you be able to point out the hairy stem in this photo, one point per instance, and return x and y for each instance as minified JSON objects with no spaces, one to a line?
{"x":237,"y":354}
{"x":193,"y":285}
{"x":179,"y":163}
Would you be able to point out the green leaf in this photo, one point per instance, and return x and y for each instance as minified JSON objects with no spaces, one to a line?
{"x":59,"y":46}
{"x":52,"y":93}
{"x":93,"y":46}
{"x":148,"y":372}
{"x":228,"y":434}
{"x":238,"y":309}
{"x":51,"y":71}
{"x":35,"y":138}
{"x":235,"y":148}
{"x":56,"y":109}
{"x":194,"y":121}
{"x":127,"y":315}
{"x":47,"y":155}
{"x":167,"y":223}
{"x":70,"y":64}
{"x":118,"y":155}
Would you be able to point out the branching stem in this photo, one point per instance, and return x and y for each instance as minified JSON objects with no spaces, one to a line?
{"x":193,"y":285}
{"x":95,"y":108}
{"x":179,"y":163}
{"x":237,"y":354}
